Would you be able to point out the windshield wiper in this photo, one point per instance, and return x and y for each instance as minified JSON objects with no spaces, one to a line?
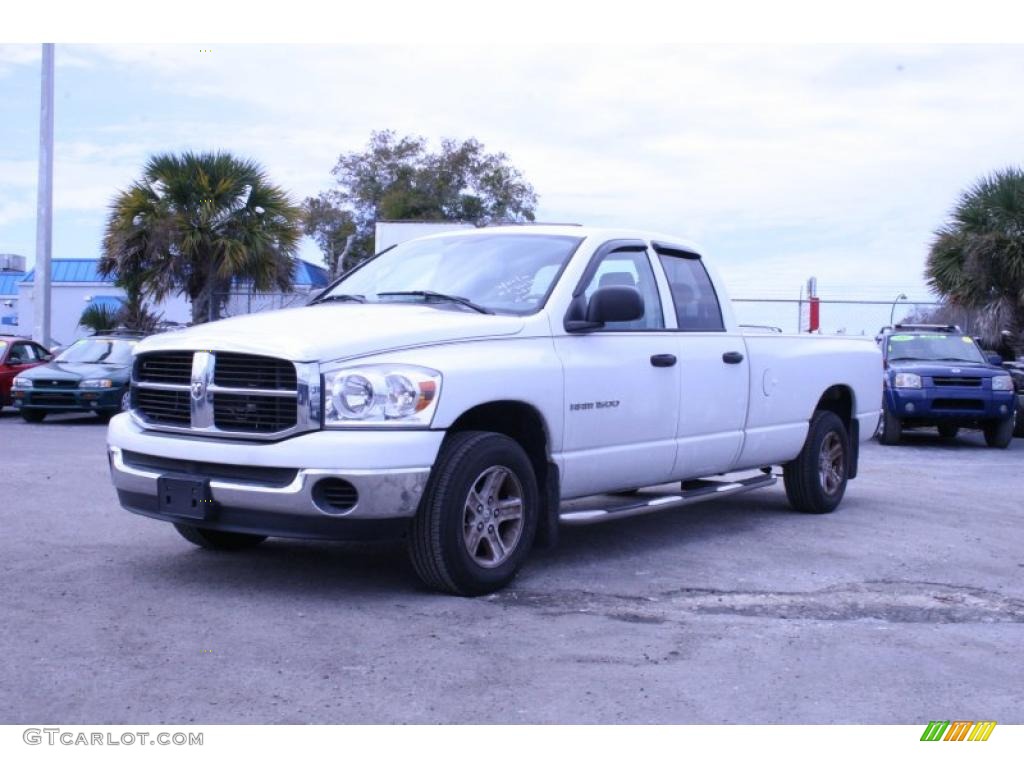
{"x":441,"y":297}
{"x":957,"y":360}
{"x":356,"y":297}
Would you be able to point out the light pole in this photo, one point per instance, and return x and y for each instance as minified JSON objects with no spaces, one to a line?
{"x":44,"y":203}
{"x":901,"y":297}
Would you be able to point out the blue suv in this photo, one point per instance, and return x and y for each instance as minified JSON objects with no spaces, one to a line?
{"x":935,"y":376}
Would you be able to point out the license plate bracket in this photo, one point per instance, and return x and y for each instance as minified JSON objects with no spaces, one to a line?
{"x":184,"y":497}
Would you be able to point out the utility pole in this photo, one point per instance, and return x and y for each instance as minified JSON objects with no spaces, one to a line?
{"x":44,"y":203}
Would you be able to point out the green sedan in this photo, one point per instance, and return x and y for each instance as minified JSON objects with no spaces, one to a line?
{"x":93,"y":374}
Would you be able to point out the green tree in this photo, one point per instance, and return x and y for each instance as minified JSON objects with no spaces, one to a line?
{"x":99,"y":317}
{"x":194,"y":223}
{"x":398,"y":178}
{"x":331,"y":227}
{"x":977,"y":258}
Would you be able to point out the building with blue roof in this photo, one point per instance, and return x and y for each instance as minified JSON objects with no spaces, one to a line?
{"x":76,"y":284}
{"x":9,"y":300}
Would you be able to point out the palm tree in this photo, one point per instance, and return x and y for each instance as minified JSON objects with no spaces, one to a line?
{"x":99,"y":318}
{"x":194,"y":223}
{"x":977,"y":258}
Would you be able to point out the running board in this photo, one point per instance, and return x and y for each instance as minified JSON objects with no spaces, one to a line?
{"x":694,"y":491}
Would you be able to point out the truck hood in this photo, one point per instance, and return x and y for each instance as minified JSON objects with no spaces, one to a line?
{"x":325,"y":332}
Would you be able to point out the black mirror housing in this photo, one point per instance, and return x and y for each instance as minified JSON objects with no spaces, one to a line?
{"x":615,"y":304}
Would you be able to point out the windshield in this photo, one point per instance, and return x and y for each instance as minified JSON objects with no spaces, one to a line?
{"x":934,"y":346}
{"x":106,"y":351}
{"x":509,"y":274}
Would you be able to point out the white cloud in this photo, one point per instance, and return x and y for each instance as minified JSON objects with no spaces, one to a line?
{"x":838,"y":159}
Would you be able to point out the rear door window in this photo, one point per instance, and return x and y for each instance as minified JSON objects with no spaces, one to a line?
{"x":697,"y":307}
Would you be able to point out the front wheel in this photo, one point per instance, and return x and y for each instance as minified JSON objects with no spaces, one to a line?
{"x":948,"y":431}
{"x":32,"y":417}
{"x":816,"y":479}
{"x":892,"y":429}
{"x":218,"y":540}
{"x":477,"y":520}
{"x":999,"y":434}
{"x":1018,"y":430}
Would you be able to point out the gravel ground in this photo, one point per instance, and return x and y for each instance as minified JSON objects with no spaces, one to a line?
{"x":904,"y":606}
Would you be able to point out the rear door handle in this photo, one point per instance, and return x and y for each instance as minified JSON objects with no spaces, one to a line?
{"x":732,"y":358}
{"x":663,"y":361}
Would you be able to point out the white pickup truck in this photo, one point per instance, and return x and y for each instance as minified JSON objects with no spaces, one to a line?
{"x":473,"y":391}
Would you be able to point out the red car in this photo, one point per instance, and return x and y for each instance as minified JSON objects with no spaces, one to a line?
{"x":16,"y":355}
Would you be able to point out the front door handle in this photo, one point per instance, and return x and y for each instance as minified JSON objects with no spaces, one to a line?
{"x":732,"y":358}
{"x":663,"y":361}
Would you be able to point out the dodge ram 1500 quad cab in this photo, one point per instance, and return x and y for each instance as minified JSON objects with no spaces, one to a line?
{"x":473,"y":391}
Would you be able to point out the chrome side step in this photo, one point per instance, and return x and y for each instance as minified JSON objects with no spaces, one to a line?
{"x":694,"y":491}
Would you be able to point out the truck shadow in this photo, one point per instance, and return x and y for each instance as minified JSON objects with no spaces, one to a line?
{"x":329,"y":571}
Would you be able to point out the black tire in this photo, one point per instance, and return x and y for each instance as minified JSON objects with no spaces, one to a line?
{"x":1018,"y":430}
{"x":810,"y":487}
{"x":217,"y":540}
{"x":948,"y":431}
{"x":32,"y":417}
{"x":891,"y":431}
{"x":438,"y":537}
{"x":106,"y":416}
{"x":999,"y":434}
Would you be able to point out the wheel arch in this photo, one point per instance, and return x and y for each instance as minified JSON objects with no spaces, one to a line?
{"x":840,"y":400}
{"x":525,"y":424}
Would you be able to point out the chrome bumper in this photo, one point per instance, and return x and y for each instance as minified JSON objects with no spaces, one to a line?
{"x":383,"y":494}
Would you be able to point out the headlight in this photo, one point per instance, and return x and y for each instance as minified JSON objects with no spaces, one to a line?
{"x":22,"y":384}
{"x":906,"y":381}
{"x":1002,"y":384}
{"x":96,"y":384}
{"x":381,"y":396}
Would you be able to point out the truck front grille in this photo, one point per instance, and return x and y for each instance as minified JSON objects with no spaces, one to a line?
{"x":218,"y":393}
{"x":159,"y":406}
{"x":164,"y":368}
{"x":252,"y":372}
{"x":253,"y":413}
{"x":957,"y":381}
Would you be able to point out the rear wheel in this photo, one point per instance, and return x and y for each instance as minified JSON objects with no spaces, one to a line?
{"x":33,"y":417}
{"x":948,"y":431}
{"x":816,"y":479}
{"x":477,"y":520}
{"x":219,"y":540}
{"x":999,"y":434}
{"x":892,"y":429}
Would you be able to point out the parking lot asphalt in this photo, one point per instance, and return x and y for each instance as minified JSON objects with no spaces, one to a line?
{"x":905,"y":605}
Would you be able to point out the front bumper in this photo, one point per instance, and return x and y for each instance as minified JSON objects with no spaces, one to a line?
{"x":55,"y":400}
{"x":388,"y":470}
{"x":950,"y":405}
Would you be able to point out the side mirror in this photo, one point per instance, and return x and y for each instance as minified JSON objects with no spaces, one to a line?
{"x":611,"y":304}
{"x":615,"y":304}
{"x":994,"y":359}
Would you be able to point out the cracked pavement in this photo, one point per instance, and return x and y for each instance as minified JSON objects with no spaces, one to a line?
{"x":904,"y":606}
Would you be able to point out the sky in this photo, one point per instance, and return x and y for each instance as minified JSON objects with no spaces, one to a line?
{"x":781,"y":161}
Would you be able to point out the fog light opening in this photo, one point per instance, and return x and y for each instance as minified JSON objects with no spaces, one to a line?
{"x":335,"y":496}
